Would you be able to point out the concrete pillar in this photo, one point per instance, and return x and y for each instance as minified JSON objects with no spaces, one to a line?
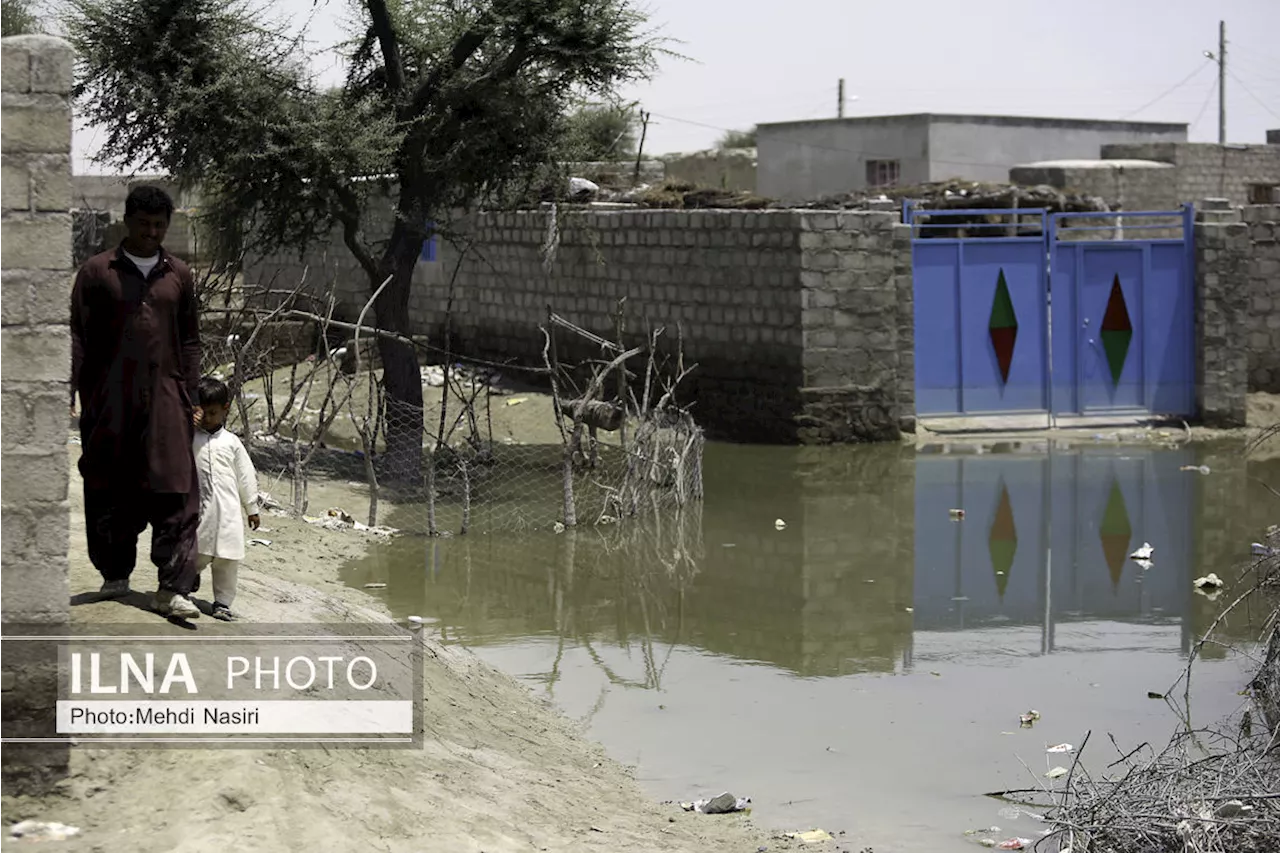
{"x":1222,"y":249}
{"x":35,"y":356}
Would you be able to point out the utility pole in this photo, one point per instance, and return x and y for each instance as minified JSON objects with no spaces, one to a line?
{"x":1222,"y":82}
{"x":840,"y":100}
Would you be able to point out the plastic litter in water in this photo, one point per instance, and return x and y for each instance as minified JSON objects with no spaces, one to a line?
{"x":1062,"y":747}
{"x":780,"y":525}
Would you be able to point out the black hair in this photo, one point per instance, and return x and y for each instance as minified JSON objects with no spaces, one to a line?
{"x":213,"y":392}
{"x":148,"y":199}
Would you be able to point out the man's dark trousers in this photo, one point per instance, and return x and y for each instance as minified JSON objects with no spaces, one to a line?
{"x":115,"y":518}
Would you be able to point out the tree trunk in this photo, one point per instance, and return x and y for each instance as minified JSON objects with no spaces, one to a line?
{"x":401,"y":464}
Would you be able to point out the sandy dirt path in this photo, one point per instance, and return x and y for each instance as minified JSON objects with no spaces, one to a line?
{"x":500,"y":771}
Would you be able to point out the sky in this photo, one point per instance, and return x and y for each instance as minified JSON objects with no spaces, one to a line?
{"x":751,"y":61}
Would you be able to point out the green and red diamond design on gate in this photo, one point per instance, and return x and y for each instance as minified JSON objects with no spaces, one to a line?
{"x":1117,"y":331}
{"x":1003,"y":327}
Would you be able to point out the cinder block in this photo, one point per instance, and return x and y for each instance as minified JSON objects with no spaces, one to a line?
{"x":44,"y":352}
{"x":35,"y":124}
{"x":15,"y":184}
{"x":50,"y":530}
{"x":37,"y":242}
{"x":15,"y":67}
{"x":14,"y":292}
{"x":17,"y":527}
{"x":52,"y":66}
{"x":47,"y":294}
{"x":31,"y":478}
{"x":47,"y":413}
{"x":36,"y":590}
{"x":51,"y":182}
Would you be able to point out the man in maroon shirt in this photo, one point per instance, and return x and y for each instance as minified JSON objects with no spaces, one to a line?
{"x":135,"y":344}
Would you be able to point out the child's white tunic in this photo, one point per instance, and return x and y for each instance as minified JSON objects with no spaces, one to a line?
{"x":228,"y":492}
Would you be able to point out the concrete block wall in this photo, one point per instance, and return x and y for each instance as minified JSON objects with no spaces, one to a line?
{"x":35,"y":352}
{"x":1208,"y":170}
{"x":858,"y":320}
{"x":1263,"y":318}
{"x":1125,"y":185}
{"x":728,"y":280}
{"x":730,"y":169}
{"x":1222,"y":257}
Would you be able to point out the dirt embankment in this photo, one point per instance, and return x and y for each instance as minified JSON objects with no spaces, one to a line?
{"x":500,"y":770}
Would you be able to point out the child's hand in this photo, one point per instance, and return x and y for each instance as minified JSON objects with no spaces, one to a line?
{"x":254,"y":521}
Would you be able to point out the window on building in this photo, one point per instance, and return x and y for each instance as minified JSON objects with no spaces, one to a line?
{"x":882,"y":173}
{"x":1264,"y":194}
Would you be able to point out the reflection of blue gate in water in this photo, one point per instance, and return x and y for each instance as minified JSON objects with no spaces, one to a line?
{"x":1048,"y":537}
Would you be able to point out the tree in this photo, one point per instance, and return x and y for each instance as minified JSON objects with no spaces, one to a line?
{"x":446,"y":103}
{"x":601,"y":132}
{"x":18,"y":17}
{"x":737,"y":139}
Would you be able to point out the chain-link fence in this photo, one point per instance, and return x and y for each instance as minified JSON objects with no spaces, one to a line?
{"x":477,"y":447}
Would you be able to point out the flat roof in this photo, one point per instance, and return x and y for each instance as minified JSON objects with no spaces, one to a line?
{"x":1042,"y":121}
{"x":1095,"y":164}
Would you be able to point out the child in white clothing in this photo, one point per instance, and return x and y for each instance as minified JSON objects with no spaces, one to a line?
{"x":228,"y":485}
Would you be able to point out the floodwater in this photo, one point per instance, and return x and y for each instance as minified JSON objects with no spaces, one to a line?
{"x":863,"y":669}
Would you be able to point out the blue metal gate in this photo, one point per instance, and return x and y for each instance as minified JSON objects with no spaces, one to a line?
{"x":1117,"y":336}
{"x":1123,"y":314}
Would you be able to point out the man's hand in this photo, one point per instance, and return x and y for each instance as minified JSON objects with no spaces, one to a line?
{"x":254,"y":521}
{"x":197,"y":415}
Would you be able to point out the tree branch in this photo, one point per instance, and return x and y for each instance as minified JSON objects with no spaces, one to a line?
{"x":348,"y":214}
{"x":466,"y":46}
{"x":386,"y":33}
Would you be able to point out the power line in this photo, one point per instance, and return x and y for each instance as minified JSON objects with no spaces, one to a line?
{"x":1175,"y":87}
{"x":1250,"y":93}
{"x":1208,"y":98}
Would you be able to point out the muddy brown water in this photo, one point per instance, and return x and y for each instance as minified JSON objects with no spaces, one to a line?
{"x":863,"y":669}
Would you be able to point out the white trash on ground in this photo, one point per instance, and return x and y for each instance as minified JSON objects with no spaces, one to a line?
{"x":812,"y":836}
{"x":37,"y":830}
{"x":721,"y":804}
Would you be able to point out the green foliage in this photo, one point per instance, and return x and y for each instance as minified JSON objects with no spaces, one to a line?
{"x":447,"y":102}
{"x":18,"y":17}
{"x":601,"y":132}
{"x":737,"y":139}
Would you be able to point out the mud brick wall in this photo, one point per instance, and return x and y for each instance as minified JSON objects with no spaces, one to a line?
{"x":1222,"y":250}
{"x":36,"y":357}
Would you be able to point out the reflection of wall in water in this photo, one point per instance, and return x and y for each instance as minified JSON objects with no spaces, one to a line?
{"x":858,"y":518}
{"x":1093,"y":506}
{"x":795,"y":598}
